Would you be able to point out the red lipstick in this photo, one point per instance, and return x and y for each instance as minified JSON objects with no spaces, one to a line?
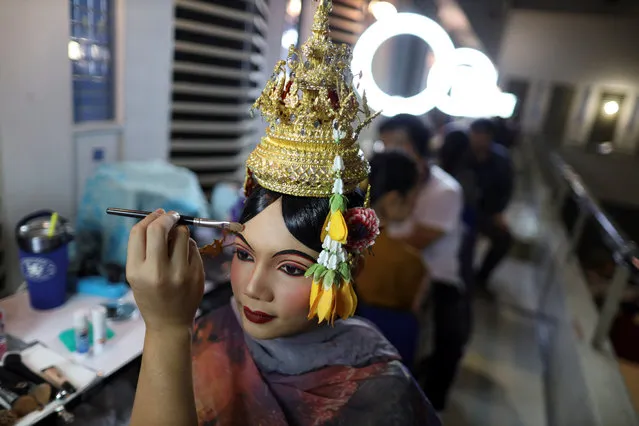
{"x":257,"y":317}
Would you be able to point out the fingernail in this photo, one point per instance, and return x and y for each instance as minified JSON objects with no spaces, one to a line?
{"x":160,"y":211}
{"x":175,"y":214}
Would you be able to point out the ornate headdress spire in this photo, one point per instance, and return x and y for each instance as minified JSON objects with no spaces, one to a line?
{"x":311,"y":150}
{"x":320,"y":23}
{"x":313,"y":115}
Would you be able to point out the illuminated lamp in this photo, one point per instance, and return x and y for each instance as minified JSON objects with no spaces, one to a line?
{"x":75,"y":51}
{"x":289,"y":38}
{"x":465,"y":84}
{"x":294,"y":8}
{"x":381,"y":9}
{"x":505,"y":105}
{"x":611,"y":108}
{"x":462,"y":82}
{"x":399,"y":24}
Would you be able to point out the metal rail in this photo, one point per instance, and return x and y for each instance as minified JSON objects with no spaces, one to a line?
{"x":624,"y":250}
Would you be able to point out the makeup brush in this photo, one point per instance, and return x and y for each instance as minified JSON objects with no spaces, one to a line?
{"x":233,"y":227}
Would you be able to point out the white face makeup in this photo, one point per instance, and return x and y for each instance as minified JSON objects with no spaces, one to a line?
{"x":267,"y":275}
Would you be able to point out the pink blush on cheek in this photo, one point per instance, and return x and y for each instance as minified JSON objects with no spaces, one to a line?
{"x":237,"y":277}
{"x":293,"y":298}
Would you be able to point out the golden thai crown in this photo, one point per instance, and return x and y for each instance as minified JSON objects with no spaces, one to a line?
{"x":311,"y":150}
{"x":313,"y":114}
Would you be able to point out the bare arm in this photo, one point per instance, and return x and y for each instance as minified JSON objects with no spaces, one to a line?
{"x":164,"y":394}
{"x":165,"y":271}
{"x":436,"y":217}
{"x":423,"y":236}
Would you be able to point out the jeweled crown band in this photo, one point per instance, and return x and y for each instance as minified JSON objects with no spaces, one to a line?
{"x":305,"y":171}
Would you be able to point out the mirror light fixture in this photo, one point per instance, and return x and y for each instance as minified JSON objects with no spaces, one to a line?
{"x":462,"y":82}
{"x":381,"y":9}
{"x":610,"y":108}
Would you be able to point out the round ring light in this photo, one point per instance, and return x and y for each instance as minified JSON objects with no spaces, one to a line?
{"x":402,"y":23}
{"x":462,"y":82}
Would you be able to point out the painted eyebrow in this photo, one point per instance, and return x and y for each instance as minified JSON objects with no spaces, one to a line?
{"x":283,"y":252}
{"x":296,"y":253}
{"x":241,"y":237}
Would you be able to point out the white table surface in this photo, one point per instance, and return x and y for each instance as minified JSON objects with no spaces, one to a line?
{"x":30,"y":325}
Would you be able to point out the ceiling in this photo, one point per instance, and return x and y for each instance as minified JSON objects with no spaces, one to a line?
{"x":488,"y":17}
{"x":614,"y":7}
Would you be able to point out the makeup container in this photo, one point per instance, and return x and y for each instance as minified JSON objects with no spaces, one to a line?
{"x":98,"y":320}
{"x":81,"y":328}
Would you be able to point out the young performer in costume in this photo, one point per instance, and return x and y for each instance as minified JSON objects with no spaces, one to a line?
{"x":284,"y":350}
{"x":393,"y":283}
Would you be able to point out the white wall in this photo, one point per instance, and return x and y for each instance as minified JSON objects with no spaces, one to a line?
{"x":592,"y":53}
{"x":35,"y":113}
{"x":39,"y":144}
{"x":148,"y":61}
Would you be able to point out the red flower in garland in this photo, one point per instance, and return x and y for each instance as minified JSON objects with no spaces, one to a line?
{"x":363,"y":228}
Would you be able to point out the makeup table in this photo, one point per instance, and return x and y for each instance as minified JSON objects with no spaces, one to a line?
{"x":30,"y":326}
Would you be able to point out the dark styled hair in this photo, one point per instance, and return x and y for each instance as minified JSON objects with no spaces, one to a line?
{"x":392,"y":171}
{"x":483,"y":125}
{"x":417,"y":130}
{"x":456,"y":143}
{"x":303,"y":216}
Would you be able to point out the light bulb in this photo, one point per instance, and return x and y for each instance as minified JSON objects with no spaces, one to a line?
{"x":294,"y":8}
{"x":611,"y":108}
{"x":289,"y":38}
{"x":381,"y":9}
{"x":74,"y":51}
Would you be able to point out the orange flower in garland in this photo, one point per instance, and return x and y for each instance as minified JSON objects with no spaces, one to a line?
{"x":337,"y":229}
{"x":346,"y":300}
{"x":329,"y":303}
{"x":331,"y":291}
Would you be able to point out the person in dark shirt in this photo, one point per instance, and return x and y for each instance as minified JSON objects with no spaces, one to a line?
{"x":455,"y":158}
{"x":506,"y":132}
{"x":493,"y":183}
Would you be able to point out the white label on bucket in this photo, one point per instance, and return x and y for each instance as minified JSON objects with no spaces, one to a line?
{"x":38,"y":268}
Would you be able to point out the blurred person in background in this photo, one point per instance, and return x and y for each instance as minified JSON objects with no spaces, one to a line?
{"x":494,"y":182}
{"x":435,"y":229}
{"x":455,"y":159}
{"x":506,"y":132}
{"x":393,"y":282}
{"x":437,"y":121}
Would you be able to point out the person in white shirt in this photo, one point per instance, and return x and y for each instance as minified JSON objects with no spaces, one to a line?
{"x":435,"y":228}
